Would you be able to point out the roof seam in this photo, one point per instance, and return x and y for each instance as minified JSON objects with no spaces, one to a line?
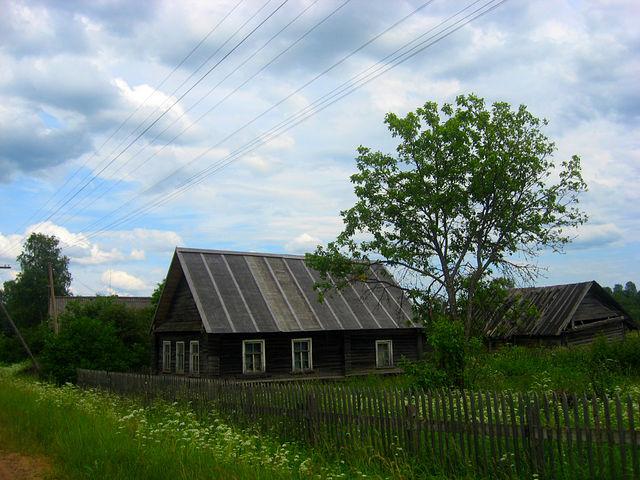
{"x":215,"y":287}
{"x":326,"y":303}
{"x":194,"y":293}
{"x":264,"y":299}
{"x":284,"y":296}
{"x":244,"y":301}
{"x":295,"y":280}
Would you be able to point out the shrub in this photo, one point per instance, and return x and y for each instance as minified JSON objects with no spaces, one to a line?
{"x":102,"y":335}
{"x":446,"y":361}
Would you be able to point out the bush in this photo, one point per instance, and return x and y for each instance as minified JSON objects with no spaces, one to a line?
{"x":447,"y":359}
{"x":102,"y":335}
{"x":11,"y":349}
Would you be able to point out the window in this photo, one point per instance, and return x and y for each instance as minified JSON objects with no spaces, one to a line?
{"x":384,"y":353}
{"x":166,"y":356}
{"x":253,"y":356}
{"x":194,"y":357}
{"x":301,"y":354}
{"x":179,"y":357}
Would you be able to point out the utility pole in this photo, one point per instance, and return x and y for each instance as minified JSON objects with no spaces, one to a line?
{"x":52,"y":295}
{"x":15,"y":329}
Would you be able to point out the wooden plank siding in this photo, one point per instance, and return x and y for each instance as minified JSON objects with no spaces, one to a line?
{"x":221,"y":354}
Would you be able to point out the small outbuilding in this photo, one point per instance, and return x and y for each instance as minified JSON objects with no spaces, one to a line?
{"x":570,"y":314}
{"x":61,"y":302}
{"x":257,"y":315}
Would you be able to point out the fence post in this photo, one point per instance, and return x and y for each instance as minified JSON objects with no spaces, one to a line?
{"x":411,"y":428}
{"x":310,"y":416}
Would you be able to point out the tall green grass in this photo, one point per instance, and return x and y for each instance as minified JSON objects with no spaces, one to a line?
{"x":91,"y":434}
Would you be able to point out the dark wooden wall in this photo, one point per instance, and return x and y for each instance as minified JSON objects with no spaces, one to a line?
{"x":334,"y":353}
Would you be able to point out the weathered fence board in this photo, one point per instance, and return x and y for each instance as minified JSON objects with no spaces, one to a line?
{"x":499,"y":434}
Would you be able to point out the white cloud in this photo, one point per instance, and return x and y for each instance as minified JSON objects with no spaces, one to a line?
{"x":303,"y":243}
{"x":137,"y":254}
{"x":119,"y":281}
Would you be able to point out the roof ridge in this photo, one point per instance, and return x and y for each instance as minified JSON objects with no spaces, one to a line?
{"x":559,"y":285}
{"x":234,"y":252}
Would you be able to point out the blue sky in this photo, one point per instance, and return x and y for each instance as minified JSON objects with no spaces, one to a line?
{"x":72,"y":72}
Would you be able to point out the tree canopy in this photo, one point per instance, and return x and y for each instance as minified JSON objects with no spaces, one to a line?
{"x":27,"y":297}
{"x":471,"y":192}
{"x":627,"y":296}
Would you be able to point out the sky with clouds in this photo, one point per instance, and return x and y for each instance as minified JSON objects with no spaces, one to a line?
{"x":82,"y":82}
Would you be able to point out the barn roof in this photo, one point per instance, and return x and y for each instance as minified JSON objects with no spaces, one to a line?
{"x":554,"y":306}
{"x":131,"y":302}
{"x":243,"y":292}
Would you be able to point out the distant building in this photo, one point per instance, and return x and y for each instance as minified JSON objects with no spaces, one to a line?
{"x":255,"y":315}
{"x":131,"y":302}
{"x":568,"y":314}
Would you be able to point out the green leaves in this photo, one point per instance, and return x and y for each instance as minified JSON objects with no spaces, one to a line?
{"x":469,"y":190}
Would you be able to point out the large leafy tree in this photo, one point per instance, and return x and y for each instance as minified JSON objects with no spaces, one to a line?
{"x":27,"y":297}
{"x":471,"y":192}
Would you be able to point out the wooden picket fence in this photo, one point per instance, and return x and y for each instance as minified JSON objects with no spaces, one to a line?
{"x":498,"y":434}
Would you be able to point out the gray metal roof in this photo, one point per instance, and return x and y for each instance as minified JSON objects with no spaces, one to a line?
{"x":555,"y":307}
{"x":131,"y":302}
{"x":246,"y":292}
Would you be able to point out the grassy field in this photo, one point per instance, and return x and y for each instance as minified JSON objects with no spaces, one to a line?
{"x":90,"y":434}
{"x":603,"y":367}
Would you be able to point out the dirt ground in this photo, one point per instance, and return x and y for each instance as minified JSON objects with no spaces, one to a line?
{"x":17,"y":466}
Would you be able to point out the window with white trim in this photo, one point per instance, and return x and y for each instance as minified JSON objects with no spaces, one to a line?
{"x":253,"y":358}
{"x":384,"y":353}
{"x":194,"y":357}
{"x":179,"y":357}
{"x":301,"y":355}
{"x":166,"y":356}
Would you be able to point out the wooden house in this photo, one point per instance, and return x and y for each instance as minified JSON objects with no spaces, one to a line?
{"x":248,"y":315}
{"x":568,"y":314}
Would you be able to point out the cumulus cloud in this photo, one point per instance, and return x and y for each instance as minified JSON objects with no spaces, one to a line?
{"x":122,"y":282}
{"x":303,"y":243}
{"x":72,"y":72}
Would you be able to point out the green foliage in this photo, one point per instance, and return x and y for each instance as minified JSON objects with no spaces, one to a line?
{"x":102,"y":335}
{"x":27,"y":297}
{"x":92,"y":434}
{"x":11,"y":350}
{"x":446,"y":360}
{"x":629,"y":297}
{"x":468,"y":188}
{"x":155,"y":296}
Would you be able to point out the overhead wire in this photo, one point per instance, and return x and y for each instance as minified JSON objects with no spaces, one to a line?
{"x":125,"y":121}
{"x":136,"y":110}
{"x":77,"y":211}
{"x":184,"y":94}
{"x":260,"y":140}
{"x":280,"y":102}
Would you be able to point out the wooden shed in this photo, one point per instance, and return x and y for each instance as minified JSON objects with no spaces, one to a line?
{"x":248,"y":315}
{"x":570,"y":314}
{"x":61,"y":302}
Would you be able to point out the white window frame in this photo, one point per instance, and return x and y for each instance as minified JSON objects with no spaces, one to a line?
{"x":166,"y":356}
{"x":263,"y":355}
{"x":192,"y":355}
{"x":384,"y":342}
{"x":293,"y":355}
{"x":180,"y":364}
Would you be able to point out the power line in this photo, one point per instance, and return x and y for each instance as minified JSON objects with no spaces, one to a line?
{"x":184,"y":130}
{"x":140,"y":126}
{"x":146,"y":129}
{"x":199,"y":177}
{"x":126,"y":120}
{"x":319,"y":75}
{"x":209,"y":71}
